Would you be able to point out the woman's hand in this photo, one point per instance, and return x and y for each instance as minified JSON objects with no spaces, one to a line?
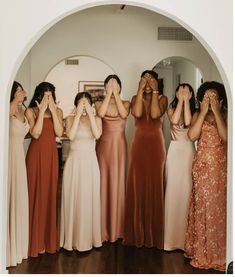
{"x":109,"y":87}
{"x":88,"y":108}
{"x":215,"y":105}
{"x":116,"y":87}
{"x":187,"y":94}
{"x":51,"y":104}
{"x":142,"y":84}
{"x":43,"y":104}
{"x":153,"y":84}
{"x":79,"y":109}
{"x":204,"y":105}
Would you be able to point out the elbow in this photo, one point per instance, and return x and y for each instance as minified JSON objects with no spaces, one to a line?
{"x":124,"y":116}
{"x":191,"y":136}
{"x":35,"y":135}
{"x":101,"y":114}
{"x":98,"y":135}
{"x":136,"y":114}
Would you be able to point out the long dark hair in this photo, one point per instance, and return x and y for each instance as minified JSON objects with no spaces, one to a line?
{"x":192,"y":101}
{"x":14,"y":89}
{"x":40,"y":91}
{"x":216,"y":86}
{"x":81,"y":95}
{"x":114,"y":76}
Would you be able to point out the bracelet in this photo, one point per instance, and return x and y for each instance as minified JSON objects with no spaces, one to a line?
{"x":155,"y":91}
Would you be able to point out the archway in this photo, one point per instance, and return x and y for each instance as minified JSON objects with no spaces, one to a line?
{"x":55,"y":16}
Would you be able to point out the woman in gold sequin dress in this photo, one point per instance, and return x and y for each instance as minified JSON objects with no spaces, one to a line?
{"x":205,"y":242}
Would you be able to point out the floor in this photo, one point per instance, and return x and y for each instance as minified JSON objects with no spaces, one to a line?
{"x":112,"y":258}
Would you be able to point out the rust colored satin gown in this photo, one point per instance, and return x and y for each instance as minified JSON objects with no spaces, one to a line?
{"x":111,"y":153}
{"x":205,"y":241}
{"x":42,"y":172}
{"x":144,"y":216}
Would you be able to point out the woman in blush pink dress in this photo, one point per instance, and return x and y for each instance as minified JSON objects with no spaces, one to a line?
{"x":205,"y":242}
{"x":112,"y":152}
{"x":179,"y":168}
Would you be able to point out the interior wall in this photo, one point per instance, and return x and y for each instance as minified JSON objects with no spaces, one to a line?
{"x":66,"y":79}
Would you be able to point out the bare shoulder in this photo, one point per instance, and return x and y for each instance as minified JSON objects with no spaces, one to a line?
{"x":29,"y":113}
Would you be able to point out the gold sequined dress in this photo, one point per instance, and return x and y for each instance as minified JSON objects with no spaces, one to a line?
{"x":205,"y":242}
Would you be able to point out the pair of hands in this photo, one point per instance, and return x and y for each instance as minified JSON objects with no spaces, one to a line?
{"x":83,"y":107}
{"x":113,"y":87}
{"x":47,"y":102}
{"x":148,"y":80}
{"x":210,"y":99}
{"x":184,"y":94}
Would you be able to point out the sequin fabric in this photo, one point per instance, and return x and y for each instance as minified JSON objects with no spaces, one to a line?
{"x":205,"y":242}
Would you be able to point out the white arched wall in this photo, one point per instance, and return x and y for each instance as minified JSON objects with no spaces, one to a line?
{"x":23,"y":22}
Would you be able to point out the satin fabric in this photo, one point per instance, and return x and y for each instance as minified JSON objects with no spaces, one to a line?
{"x":18,"y":216}
{"x":178,"y":187}
{"x":144,"y":216}
{"x":42,"y":173}
{"x":111,"y":152}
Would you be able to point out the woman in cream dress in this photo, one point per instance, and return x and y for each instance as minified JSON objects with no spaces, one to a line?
{"x":179,"y":168}
{"x":17,"y":235}
{"x":80,"y":212}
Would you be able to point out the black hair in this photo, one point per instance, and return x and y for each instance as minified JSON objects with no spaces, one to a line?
{"x":14,"y":89}
{"x":114,"y":76}
{"x":216,"y":86}
{"x":81,"y":95}
{"x":40,"y":91}
{"x":192,"y":101}
{"x":155,"y":76}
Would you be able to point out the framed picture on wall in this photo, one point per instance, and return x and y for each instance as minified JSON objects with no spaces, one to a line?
{"x":95,"y":88}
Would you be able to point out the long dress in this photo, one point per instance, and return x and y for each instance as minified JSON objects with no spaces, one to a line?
{"x":42,"y":171}
{"x":178,"y":187}
{"x":205,"y":240}
{"x":111,"y":153}
{"x":18,"y":218}
{"x":80,"y":211}
{"x":144,"y":216}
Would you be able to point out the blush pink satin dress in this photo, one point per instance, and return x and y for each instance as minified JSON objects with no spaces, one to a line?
{"x":111,"y":152}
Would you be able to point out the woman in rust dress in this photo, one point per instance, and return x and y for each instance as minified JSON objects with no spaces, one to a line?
{"x":45,"y":121}
{"x":205,"y":242}
{"x":111,"y":152}
{"x":144,"y":201}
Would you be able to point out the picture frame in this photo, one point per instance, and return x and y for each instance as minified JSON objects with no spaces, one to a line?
{"x":95,"y":88}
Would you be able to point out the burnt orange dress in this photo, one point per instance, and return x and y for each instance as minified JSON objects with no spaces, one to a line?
{"x":42,"y":173}
{"x":145,"y":186}
{"x":205,"y":240}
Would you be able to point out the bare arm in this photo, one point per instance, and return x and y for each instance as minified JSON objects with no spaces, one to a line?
{"x":123,"y":108}
{"x":158,"y":106}
{"x":174,"y":114}
{"x":72,"y":122}
{"x":96,"y":123}
{"x":35,"y":124}
{"x":187,"y":113}
{"x":220,"y":122}
{"x":137,"y":101}
{"x":102,"y":108}
{"x":57,"y":118}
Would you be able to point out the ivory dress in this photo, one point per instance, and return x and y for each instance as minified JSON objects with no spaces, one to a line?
{"x":18,"y":217}
{"x":205,"y":242}
{"x":80,"y":211}
{"x":111,"y":152}
{"x":178,"y":187}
